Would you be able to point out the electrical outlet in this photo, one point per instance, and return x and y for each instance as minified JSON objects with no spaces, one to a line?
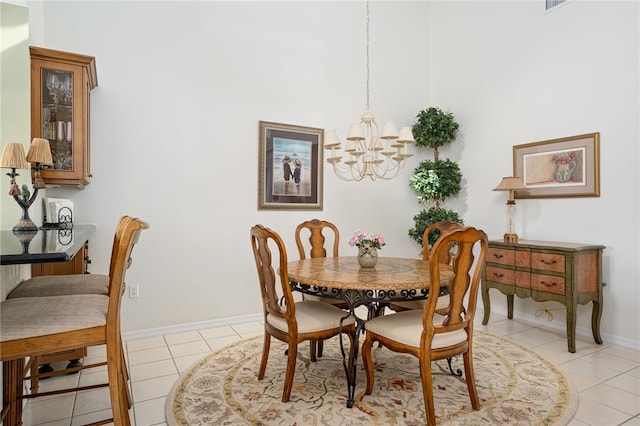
{"x":134,"y":292}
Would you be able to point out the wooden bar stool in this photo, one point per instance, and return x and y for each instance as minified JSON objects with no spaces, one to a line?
{"x":32,"y":326}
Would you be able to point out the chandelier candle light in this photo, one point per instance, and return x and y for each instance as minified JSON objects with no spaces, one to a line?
{"x":511,"y":184}
{"x":13,"y":158}
{"x":371,"y":153}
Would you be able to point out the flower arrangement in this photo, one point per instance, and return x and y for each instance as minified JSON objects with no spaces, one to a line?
{"x":360,"y":239}
{"x":565,"y":158}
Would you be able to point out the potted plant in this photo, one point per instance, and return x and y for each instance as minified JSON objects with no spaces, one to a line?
{"x":434,"y":180}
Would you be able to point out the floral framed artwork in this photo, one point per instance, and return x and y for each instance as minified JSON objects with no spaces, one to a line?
{"x":565,"y":167}
{"x":290,"y":167}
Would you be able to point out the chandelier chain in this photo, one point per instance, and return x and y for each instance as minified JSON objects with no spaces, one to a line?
{"x":368,"y":106}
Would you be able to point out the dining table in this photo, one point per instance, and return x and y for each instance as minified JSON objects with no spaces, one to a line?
{"x":342,"y":278}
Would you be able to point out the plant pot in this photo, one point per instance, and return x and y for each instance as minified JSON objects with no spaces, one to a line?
{"x":367,"y":256}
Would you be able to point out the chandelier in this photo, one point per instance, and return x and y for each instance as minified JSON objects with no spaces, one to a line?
{"x":378,"y":155}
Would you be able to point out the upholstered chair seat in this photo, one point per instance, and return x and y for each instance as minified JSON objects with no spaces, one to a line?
{"x":406,"y":328}
{"x":22,"y":318}
{"x":312,"y":317}
{"x":59,"y":285}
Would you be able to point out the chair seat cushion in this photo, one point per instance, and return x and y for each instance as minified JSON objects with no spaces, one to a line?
{"x":406,"y":327}
{"x":25,"y":317}
{"x":443,"y":302}
{"x":324,"y":299}
{"x":312,"y":317}
{"x":60,"y":285}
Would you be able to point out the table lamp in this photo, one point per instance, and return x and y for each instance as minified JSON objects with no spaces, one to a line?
{"x":13,"y":158}
{"x":511,"y":184}
{"x":39,"y":154}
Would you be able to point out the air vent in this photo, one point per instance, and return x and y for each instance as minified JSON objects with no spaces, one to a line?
{"x":550,"y":4}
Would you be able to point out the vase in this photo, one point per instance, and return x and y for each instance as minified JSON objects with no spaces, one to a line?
{"x":367,"y":256}
{"x":565,"y":171}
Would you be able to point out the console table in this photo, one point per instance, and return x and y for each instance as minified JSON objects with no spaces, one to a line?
{"x":44,"y":245}
{"x":543,"y":270}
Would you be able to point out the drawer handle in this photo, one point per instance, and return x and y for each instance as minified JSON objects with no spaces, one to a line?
{"x":497,"y":275}
{"x":498,"y":255}
{"x":548,"y":262}
{"x":548,"y":283}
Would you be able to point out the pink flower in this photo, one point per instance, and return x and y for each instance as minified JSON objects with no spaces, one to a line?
{"x":565,"y":158}
{"x":360,"y":238}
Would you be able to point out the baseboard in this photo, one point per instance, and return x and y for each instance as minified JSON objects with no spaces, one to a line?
{"x":580,"y":331}
{"x":200,"y":325}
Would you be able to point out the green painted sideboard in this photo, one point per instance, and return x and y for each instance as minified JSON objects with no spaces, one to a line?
{"x":546,"y":271}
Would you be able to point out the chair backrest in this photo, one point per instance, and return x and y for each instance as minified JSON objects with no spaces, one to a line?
{"x":317,"y":238}
{"x":127,"y":235}
{"x":463,"y":286}
{"x":433,"y":233}
{"x":116,"y":240}
{"x":262,"y":238}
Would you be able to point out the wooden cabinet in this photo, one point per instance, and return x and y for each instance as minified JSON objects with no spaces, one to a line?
{"x":546,"y":271}
{"x":60,"y":110}
{"x":79,"y":264}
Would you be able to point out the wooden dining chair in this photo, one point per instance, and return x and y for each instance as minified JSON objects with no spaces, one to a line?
{"x":289,"y":321}
{"x":319,"y":231}
{"x":33,"y":326}
{"x":431,"y":336}
{"x":432,"y":233}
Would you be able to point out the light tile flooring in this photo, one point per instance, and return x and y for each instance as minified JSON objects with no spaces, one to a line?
{"x":607,"y":376}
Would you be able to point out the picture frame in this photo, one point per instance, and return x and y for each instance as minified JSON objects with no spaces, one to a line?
{"x":564,"y":167}
{"x":295,"y":152}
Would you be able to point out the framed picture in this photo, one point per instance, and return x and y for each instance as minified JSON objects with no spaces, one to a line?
{"x":565,"y":167}
{"x":290,"y":167}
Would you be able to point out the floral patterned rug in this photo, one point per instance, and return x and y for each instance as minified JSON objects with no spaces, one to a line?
{"x":515,"y":385}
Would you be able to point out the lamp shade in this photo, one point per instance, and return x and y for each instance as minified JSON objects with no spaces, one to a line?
{"x":40,"y":152}
{"x":356,"y":133}
{"x":389,"y":131}
{"x":331,"y":139}
{"x":13,"y":156}
{"x":510,"y":183}
{"x":406,"y":135}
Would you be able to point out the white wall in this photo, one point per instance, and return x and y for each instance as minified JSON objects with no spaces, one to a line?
{"x":15,"y":118}
{"x":183,"y":85}
{"x":14,"y":102}
{"x":515,"y":74}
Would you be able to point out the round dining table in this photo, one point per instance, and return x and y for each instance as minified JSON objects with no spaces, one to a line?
{"x":342,"y":278}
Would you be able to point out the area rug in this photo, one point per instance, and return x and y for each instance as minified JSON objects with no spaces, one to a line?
{"x":515,"y":386}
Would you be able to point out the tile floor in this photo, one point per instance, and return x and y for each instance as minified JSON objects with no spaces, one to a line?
{"x":607,"y":376}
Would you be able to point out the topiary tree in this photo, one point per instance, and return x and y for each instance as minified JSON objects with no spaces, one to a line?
{"x":434,"y":180}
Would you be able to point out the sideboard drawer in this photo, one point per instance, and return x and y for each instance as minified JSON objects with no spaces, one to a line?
{"x":547,"y":283}
{"x":501,"y":256}
{"x":547,"y":261}
{"x":501,"y":275}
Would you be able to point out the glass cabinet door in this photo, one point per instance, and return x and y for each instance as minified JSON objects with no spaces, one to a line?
{"x":57,"y":116}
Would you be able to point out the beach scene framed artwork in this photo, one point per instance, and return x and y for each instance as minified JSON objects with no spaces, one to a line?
{"x":290,"y":167}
